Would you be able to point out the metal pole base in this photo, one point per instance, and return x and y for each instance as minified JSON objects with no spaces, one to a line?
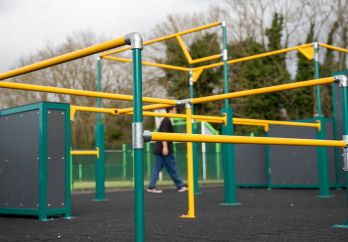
{"x":230,"y":204}
{"x":341,"y":226}
{"x":187,"y":216}
{"x":99,"y":200}
{"x":325,"y":196}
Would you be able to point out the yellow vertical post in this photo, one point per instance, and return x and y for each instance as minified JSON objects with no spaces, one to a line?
{"x":191,"y":197}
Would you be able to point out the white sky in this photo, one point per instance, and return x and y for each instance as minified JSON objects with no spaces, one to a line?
{"x":27,"y":25}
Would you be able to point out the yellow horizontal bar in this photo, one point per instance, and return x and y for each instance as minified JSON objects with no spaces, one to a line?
{"x":146,"y":107}
{"x":265,"y":126}
{"x":73,"y":110}
{"x":146,"y":63}
{"x":159,"y":136}
{"x":210,"y":119}
{"x":86,"y":152}
{"x":149,"y":42}
{"x":208,"y":58}
{"x":94,"y":109}
{"x":76,"y":92}
{"x":264,"y":90}
{"x":65,"y":58}
{"x":276,"y":122}
{"x":253,"y":57}
{"x":333,"y":47}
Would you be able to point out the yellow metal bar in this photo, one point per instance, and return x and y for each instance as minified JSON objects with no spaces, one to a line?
{"x":183,"y":48}
{"x":276,"y":122}
{"x":264,"y":90}
{"x":188,"y":56}
{"x":156,"y":136}
{"x":146,"y":107}
{"x":210,"y":119}
{"x":86,"y":152}
{"x":265,"y":126}
{"x":73,"y":110}
{"x":149,"y":42}
{"x":253,"y":57}
{"x":146,"y":63}
{"x":333,"y":47}
{"x":76,"y":92}
{"x":191,"y":197}
{"x":65,"y":58}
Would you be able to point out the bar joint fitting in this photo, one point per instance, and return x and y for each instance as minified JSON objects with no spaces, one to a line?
{"x":342,"y":80}
{"x":147,"y":135}
{"x":135,"y":40}
{"x":137,"y":135}
{"x":184,"y":101}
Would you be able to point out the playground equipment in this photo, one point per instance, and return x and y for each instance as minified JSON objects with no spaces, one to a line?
{"x":35,"y":147}
{"x":139,"y":135}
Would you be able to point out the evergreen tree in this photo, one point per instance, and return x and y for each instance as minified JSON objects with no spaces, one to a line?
{"x":176,"y":83}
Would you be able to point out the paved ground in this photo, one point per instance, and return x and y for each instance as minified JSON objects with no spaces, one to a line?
{"x":276,"y":215}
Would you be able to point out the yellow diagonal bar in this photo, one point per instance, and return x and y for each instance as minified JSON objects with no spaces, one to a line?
{"x":183,"y":48}
{"x":86,"y":152}
{"x":178,"y":137}
{"x":146,"y":63}
{"x":331,"y":47}
{"x":253,"y":57}
{"x":264,"y":90}
{"x":188,"y":56}
{"x":170,"y":36}
{"x":276,"y":122}
{"x":65,"y":58}
{"x":76,"y":92}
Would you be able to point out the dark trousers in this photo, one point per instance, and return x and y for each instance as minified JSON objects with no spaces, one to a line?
{"x":169,"y":162}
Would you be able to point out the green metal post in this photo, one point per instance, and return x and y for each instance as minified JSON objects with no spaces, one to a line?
{"x":335,"y":136}
{"x":137,"y":132}
{"x":194,"y":145}
{"x":43,"y":164}
{"x":100,"y":165}
{"x":218,"y":155}
{"x":99,"y":137}
{"x":316,"y":76}
{"x":344,"y":84}
{"x":124,"y":161}
{"x":228,"y":160}
{"x":230,"y":186}
{"x":71,"y":173}
{"x":323,"y":167}
{"x":224,"y":58}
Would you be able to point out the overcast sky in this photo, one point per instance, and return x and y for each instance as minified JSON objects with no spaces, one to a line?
{"x":27,"y":25}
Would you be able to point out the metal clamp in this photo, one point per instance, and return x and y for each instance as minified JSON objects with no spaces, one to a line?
{"x":345,"y":153}
{"x":137,"y":135}
{"x":342,"y":80}
{"x":316,"y":53}
{"x":224,"y":55}
{"x":147,"y":135}
{"x":184,"y":101}
{"x":187,"y":105}
{"x":134,"y":39}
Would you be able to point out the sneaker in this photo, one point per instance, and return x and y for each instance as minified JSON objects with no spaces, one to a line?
{"x":154,"y":190}
{"x":183,"y":189}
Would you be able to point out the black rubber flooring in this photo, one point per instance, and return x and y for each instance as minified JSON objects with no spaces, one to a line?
{"x":276,"y":215}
